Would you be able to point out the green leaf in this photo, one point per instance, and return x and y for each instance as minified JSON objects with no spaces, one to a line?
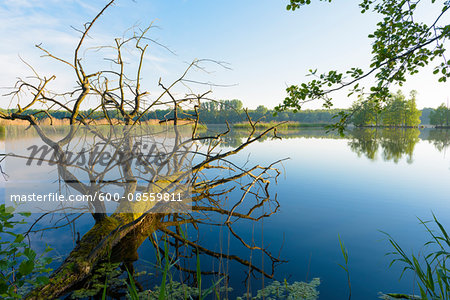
{"x":3,"y":265}
{"x":19,"y":238}
{"x":132,"y":287}
{"x":26,"y":267}
{"x":211,"y":288}
{"x":29,"y":253}
{"x":199,"y":276}
{"x":9,"y":209}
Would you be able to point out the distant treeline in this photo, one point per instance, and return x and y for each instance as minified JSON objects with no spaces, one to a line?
{"x":231,"y":111}
{"x":398,"y":112}
{"x":440,"y":116}
{"x":212,"y":113}
{"x":436,"y":116}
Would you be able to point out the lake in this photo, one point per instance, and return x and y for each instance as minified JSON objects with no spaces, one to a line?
{"x":353,"y":187}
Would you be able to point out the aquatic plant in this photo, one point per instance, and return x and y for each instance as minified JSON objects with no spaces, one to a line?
{"x":431,"y":267}
{"x":297,"y":290}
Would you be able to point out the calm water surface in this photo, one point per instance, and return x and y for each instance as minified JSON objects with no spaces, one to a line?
{"x":354,"y":187}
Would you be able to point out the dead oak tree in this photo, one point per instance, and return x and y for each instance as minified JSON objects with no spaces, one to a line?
{"x":116,"y":98}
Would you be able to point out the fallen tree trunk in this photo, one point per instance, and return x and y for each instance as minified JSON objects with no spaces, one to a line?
{"x":121,"y":233}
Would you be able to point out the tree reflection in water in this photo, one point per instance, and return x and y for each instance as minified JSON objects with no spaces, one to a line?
{"x":224,"y":194}
{"x":440,"y":138}
{"x":394,"y":143}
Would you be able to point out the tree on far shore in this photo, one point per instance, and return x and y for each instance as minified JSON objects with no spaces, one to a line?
{"x":440,"y":116}
{"x":397,"y":111}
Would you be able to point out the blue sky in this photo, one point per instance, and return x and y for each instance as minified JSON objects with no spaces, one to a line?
{"x":266,"y":46}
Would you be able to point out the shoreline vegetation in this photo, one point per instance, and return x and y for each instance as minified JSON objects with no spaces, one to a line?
{"x":399,"y":112}
{"x":284,"y":125}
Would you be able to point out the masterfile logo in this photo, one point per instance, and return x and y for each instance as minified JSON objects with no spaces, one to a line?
{"x":101,"y":169}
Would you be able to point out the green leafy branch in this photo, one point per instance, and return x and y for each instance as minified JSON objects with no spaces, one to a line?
{"x":20,"y":266}
{"x":401,"y":45}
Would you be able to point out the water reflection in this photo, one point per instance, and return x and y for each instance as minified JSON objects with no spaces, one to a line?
{"x":394,"y":144}
{"x":390,"y":143}
{"x":440,"y":138}
{"x":178,"y":238}
{"x":224,"y":195}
